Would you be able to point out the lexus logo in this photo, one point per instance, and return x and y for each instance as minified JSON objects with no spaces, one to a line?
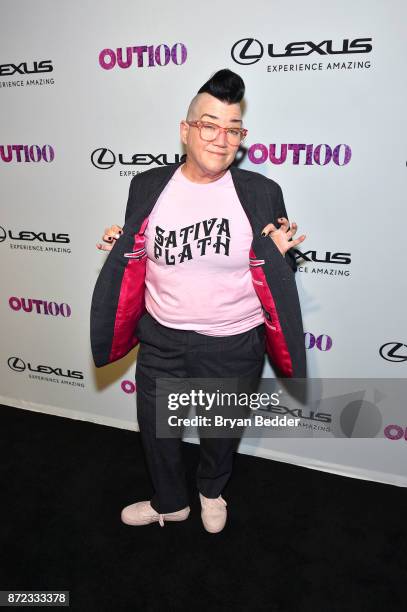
{"x":3,"y":234}
{"x":247,"y":51}
{"x":16,"y":364}
{"x":394,"y":351}
{"x":103,"y":158}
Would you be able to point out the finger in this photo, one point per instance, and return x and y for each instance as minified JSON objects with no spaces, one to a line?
{"x":103,"y":247}
{"x":269,"y":228}
{"x":115,"y":231}
{"x":294,"y":228}
{"x":108,"y":238}
{"x":284,"y":222}
{"x":294,"y":243}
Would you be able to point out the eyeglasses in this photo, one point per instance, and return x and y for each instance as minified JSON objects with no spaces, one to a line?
{"x":210,"y":131}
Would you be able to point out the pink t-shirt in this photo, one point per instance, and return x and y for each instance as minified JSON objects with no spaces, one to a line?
{"x":197,"y":275}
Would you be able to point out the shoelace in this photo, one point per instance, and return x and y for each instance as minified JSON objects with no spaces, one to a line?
{"x":147,"y":515}
{"x":161,"y":519}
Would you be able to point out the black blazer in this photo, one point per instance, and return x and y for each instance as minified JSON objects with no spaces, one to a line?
{"x":117,"y":305}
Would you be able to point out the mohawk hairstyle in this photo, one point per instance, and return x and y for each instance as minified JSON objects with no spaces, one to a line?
{"x":225,"y":85}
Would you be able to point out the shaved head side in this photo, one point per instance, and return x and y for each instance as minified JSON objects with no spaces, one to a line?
{"x":193,"y":108}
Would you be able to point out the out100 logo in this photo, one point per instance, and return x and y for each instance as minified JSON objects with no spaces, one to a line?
{"x":395,"y":432}
{"x":322,"y":342}
{"x":143,"y":56}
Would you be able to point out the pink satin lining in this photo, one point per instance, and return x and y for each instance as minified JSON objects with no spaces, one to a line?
{"x":131,"y":306}
{"x":276,"y":346}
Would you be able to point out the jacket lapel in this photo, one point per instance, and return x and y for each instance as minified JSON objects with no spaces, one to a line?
{"x":248,"y":193}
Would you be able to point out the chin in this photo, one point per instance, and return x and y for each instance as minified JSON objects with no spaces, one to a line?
{"x":217,"y":164}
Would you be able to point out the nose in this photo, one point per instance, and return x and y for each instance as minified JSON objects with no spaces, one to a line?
{"x":221,"y":139}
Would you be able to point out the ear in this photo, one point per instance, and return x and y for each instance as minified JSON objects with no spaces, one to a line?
{"x":183,"y":130}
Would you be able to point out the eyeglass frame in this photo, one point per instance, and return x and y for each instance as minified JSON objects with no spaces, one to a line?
{"x":199,"y":125}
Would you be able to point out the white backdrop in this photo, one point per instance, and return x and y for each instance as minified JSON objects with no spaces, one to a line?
{"x":63,"y":104}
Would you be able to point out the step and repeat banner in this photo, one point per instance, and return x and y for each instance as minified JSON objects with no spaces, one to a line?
{"x":92,"y":93}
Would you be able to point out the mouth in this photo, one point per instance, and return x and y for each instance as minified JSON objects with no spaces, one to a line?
{"x":217,"y":153}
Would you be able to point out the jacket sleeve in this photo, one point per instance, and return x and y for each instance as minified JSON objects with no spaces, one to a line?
{"x":281,"y":212}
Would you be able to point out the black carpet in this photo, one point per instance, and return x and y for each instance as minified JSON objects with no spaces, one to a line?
{"x":296,"y":539}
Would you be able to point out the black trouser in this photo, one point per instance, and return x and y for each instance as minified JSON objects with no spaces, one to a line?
{"x":165,"y":352}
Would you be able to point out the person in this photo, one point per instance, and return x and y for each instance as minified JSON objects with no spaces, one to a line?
{"x":195,"y":279}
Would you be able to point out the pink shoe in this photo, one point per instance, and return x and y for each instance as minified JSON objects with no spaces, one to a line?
{"x":213,"y":513}
{"x":141,"y":513}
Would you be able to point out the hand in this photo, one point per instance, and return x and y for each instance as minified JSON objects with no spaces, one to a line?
{"x":282,"y":235}
{"x":110,"y":236}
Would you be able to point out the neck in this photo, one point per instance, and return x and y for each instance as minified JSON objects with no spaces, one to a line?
{"x":196,"y":175}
